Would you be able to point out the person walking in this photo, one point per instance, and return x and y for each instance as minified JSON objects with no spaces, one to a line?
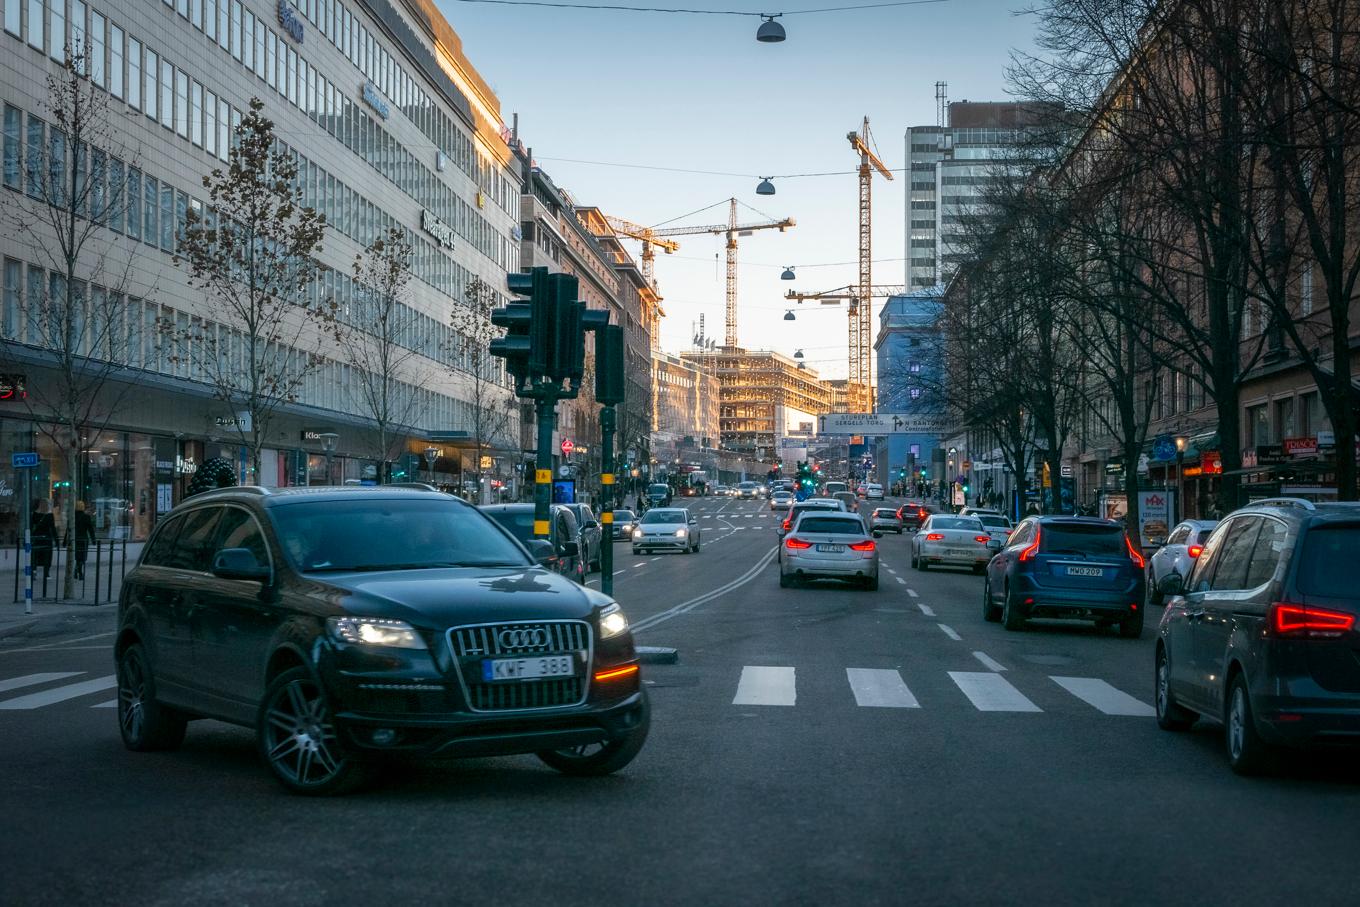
{"x":84,"y":535}
{"x":43,"y":531}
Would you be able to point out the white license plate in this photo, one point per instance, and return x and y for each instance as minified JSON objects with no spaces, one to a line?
{"x":959,"y":552}
{"x":1085,"y":571}
{"x":832,"y":549}
{"x":528,"y":668}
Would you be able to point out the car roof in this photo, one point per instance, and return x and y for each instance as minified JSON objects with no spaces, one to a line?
{"x":1056,"y":518}
{"x":836,"y":514}
{"x":274,"y":497}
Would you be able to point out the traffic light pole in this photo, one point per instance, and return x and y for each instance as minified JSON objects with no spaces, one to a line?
{"x":607,"y":426}
{"x":545,"y":407}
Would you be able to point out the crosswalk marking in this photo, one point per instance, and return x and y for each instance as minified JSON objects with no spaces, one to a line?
{"x":766,"y":686}
{"x":988,"y":662}
{"x":991,"y":692}
{"x":880,"y":688}
{"x":32,"y":680}
{"x":900,"y":580}
{"x":912,"y":593}
{"x":111,"y":704}
{"x":60,"y":694}
{"x":1100,"y":694}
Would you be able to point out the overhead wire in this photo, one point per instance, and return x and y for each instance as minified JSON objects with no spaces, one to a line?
{"x":690,"y":11}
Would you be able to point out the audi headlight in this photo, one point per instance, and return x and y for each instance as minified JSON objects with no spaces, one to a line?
{"x":681,"y":533}
{"x":612,"y":621}
{"x":375,"y":631}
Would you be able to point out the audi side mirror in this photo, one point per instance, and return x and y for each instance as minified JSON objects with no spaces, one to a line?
{"x":239,"y":563}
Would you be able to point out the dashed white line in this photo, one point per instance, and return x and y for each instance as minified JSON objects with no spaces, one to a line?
{"x":988,"y":662}
{"x":638,"y":566}
{"x":901,"y":580}
{"x":654,"y":559}
{"x":912,"y":593}
{"x":925,"y":609}
{"x":949,"y":631}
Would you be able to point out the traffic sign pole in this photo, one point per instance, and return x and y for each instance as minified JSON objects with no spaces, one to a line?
{"x":24,"y":462}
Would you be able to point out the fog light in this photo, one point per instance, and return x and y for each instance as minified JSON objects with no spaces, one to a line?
{"x":384,"y":736}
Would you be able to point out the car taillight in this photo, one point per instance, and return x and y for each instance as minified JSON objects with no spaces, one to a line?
{"x":921,"y":514}
{"x":1033,"y":548}
{"x":934,"y":536}
{"x":799,"y":544}
{"x":1134,"y":553}
{"x":984,"y":539}
{"x":1303,"y":620}
{"x":787,"y":523}
{"x":866,"y":545}
{"x":1195,"y":550}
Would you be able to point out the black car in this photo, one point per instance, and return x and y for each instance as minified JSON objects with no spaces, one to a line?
{"x":591,"y":536}
{"x":1262,"y":635}
{"x":566,"y":555}
{"x":347,"y":624}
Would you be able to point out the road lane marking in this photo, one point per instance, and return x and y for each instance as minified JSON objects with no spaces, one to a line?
{"x":989,"y":662}
{"x":698,"y":600}
{"x":64,"y":642}
{"x":880,"y":688}
{"x":653,"y":559}
{"x":991,"y":692}
{"x":891,"y":570}
{"x":638,"y":566}
{"x":111,"y":704}
{"x":1104,"y":697}
{"x":60,"y":694}
{"x":926,"y":609}
{"x":32,"y":680}
{"x":949,"y":631}
{"x":766,"y":686}
{"x":901,"y":580}
{"x":912,"y":593}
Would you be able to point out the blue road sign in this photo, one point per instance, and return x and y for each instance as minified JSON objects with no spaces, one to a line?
{"x":23,"y":460}
{"x":1164,"y":448}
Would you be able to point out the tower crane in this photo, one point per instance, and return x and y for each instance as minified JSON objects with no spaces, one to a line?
{"x":861,"y":312}
{"x":649,"y":238}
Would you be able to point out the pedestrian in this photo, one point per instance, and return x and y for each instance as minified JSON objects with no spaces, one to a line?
{"x":43,"y":531}
{"x":84,"y":526}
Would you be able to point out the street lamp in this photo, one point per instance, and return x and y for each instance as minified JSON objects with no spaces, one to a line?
{"x":431,"y":454}
{"x":1181,"y":443}
{"x":788,"y":316}
{"x":765,"y":187}
{"x":788,"y":273}
{"x":328,"y":439}
{"x":770,"y":32}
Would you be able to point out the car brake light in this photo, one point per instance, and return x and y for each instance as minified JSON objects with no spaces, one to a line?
{"x":1033,"y":548}
{"x":1302,"y":620}
{"x":786,"y":525}
{"x":984,"y":539}
{"x":866,"y":545}
{"x":1134,"y":554}
{"x":799,"y":544}
{"x":1194,"y":550}
{"x":934,"y":536}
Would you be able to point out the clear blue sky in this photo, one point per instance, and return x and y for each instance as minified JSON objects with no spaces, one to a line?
{"x":699,"y":92}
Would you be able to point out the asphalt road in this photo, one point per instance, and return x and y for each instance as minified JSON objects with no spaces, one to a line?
{"x":820,"y":745}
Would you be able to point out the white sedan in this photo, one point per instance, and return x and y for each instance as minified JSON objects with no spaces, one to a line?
{"x":946,"y":540}
{"x":667,"y":527}
{"x":781,"y":500}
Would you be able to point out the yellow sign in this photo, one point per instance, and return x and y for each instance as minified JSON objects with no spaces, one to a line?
{"x":607,"y":478}
{"x":1048,"y":479}
{"x":543,"y":476}
{"x":486,"y":462}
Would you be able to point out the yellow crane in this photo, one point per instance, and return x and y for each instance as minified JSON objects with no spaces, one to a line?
{"x":861,"y":312}
{"x":648,"y":238}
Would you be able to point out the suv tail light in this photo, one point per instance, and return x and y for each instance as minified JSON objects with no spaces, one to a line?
{"x":797,"y":544}
{"x":1195,"y":550}
{"x":934,"y":536}
{"x":1304,"y":621}
{"x":866,"y":545}
{"x":984,"y":539}
{"x":787,"y":524}
{"x":1033,"y":547}
{"x":1134,"y":554}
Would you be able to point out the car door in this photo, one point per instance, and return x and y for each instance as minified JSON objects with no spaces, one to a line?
{"x":998,"y":569}
{"x":186,"y":567}
{"x":152,"y":589}
{"x":1183,"y":613}
{"x":1209,"y":630}
{"x":235,"y":621}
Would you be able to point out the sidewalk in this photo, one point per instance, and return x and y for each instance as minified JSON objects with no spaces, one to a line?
{"x":51,"y":619}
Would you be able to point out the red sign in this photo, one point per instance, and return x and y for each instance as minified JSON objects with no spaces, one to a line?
{"x":567,"y":446}
{"x":1300,"y":447}
{"x":1211,"y":463}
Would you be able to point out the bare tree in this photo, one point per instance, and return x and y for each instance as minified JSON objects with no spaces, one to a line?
{"x":253,"y":253}
{"x":493,"y":409}
{"x":73,"y":324}
{"x":374,"y":340}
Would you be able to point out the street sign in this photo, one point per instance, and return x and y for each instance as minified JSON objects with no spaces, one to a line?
{"x":1065,"y":470}
{"x":23,"y":460}
{"x":967,"y":465}
{"x":567,"y":445}
{"x":880,"y":424}
{"x":1163,"y":448}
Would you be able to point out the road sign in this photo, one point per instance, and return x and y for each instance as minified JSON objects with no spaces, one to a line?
{"x":23,"y":460}
{"x":879,"y":424}
{"x":567,"y":446}
{"x":1163,"y":448}
{"x":1065,"y":470}
{"x":967,"y":465}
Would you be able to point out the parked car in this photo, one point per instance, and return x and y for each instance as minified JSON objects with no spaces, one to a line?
{"x":667,"y":528}
{"x":1082,"y":568}
{"x":346,"y":626}
{"x":564,"y":536}
{"x":829,"y":544}
{"x":624,"y":522}
{"x":1261,"y":636}
{"x":946,"y":540}
{"x":1183,"y":545}
{"x":592,"y":537}
{"x":886,"y":519}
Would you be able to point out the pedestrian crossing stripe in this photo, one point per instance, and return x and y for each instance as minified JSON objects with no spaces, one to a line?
{"x":59,"y":694}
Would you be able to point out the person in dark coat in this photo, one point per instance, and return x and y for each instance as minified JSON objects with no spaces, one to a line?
{"x":84,"y":535}
{"x":43,"y":530}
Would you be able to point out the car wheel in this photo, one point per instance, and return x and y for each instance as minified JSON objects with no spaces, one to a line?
{"x":1248,"y":754}
{"x":145,"y":724}
{"x":637,"y":550}
{"x":1154,"y":597}
{"x":1011,"y":618}
{"x":1132,"y":627}
{"x":990,"y":612}
{"x":871,"y":584}
{"x":785,"y":580}
{"x":596,"y":759}
{"x":1170,"y":716}
{"x":924,"y":564}
{"x":296,"y":735}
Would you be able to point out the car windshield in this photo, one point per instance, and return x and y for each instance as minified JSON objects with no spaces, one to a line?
{"x":955,"y":522}
{"x":995,"y":522}
{"x":519,"y":523}
{"x":663,"y":516}
{"x":831,"y":524}
{"x":1327,"y":550}
{"x":390,"y":534}
{"x":623,"y":516}
{"x":1082,"y":538}
{"x":658,"y":489}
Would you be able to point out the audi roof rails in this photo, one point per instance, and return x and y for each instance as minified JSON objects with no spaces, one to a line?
{"x":1303,"y":503}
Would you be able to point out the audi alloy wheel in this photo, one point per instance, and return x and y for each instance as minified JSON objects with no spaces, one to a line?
{"x":298,"y":740}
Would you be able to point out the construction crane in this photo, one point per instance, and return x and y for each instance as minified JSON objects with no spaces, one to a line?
{"x":861,"y":312}
{"x":731,"y":230}
{"x":649,"y":238}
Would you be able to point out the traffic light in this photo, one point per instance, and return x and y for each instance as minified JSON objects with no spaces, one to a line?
{"x":609,"y":364}
{"x":528,"y":323}
{"x":568,"y":358}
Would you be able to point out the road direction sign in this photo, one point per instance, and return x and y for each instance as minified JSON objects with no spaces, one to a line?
{"x":25,"y":460}
{"x":879,"y":424}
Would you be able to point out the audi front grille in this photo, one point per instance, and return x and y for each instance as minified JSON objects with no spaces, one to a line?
{"x":471,"y":644}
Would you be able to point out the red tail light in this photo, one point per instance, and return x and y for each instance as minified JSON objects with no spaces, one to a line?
{"x":1134,"y":554}
{"x":934,"y":536}
{"x":921,"y":514}
{"x":1316,"y":623}
{"x":1195,"y":550}
{"x":866,"y":545}
{"x":984,"y":539}
{"x":787,"y":523}
{"x":797,"y":544}
{"x":1032,"y":548}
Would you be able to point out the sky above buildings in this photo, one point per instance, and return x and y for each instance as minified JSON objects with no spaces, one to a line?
{"x":697,"y":92}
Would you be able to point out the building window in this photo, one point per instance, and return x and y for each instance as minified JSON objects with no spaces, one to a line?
{"x":1284,"y":419}
{"x":210,"y":123}
{"x":150,"y":198}
{"x":134,"y":84}
{"x":134,"y":203}
{"x":35,"y":24}
{"x":115,"y":206}
{"x":223,"y":129}
{"x":98,"y":49}
{"x":210,"y":19}
{"x":116,"y":61}
{"x":248,"y":41}
{"x":914,"y":393}
{"x":1258,"y":425}
{"x":196,"y":114}
{"x":13,"y":145}
{"x":9,"y":317}
{"x":1306,"y":288}
{"x":236,"y":29}
{"x":56,"y":36}
{"x":167,"y":218}
{"x":182,"y":103}
{"x":223,"y":25}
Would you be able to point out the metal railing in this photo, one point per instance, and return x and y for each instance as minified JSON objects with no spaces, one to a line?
{"x":97,"y":577}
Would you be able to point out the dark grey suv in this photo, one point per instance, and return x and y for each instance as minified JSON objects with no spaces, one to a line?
{"x":344,"y":624}
{"x":1262,"y":635}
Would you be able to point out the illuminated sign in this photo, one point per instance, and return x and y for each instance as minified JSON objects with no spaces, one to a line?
{"x":13,"y":387}
{"x":289,"y":21}
{"x":373,"y":99}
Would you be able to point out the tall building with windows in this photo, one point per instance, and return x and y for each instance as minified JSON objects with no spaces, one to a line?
{"x":910,"y":378}
{"x":391,"y":127}
{"x":950,"y":168}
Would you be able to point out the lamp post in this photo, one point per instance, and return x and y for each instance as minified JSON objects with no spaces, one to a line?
{"x":431,"y":454}
{"x":1181,"y":444}
{"x":328,"y":439}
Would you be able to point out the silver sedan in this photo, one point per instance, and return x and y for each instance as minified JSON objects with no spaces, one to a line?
{"x":886,"y":519}
{"x":829,"y":544}
{"x":946,"y":540}
{"x":667,"y":527}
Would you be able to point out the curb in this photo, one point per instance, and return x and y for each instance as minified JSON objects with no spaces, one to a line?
{"x":17,"y":629}
{"x":657,"y":655}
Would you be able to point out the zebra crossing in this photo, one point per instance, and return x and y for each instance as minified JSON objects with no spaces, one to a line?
{"x":53,"y":695}
{"x":986,"y":691}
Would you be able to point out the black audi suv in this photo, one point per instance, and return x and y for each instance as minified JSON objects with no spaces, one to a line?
{"x":343,"y":624}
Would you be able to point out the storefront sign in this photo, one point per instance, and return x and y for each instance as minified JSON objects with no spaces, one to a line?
{"x":373,"y":99}
{"x":441,"y":231}
{"x":23,"y":460}
{"x":1269,"y":454}
{"x":240,"y":422}
{"x":1210,"y":463}
{"x":13,"y":387}
{"x":289,"y":21}
{"x":1300,"y":447}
